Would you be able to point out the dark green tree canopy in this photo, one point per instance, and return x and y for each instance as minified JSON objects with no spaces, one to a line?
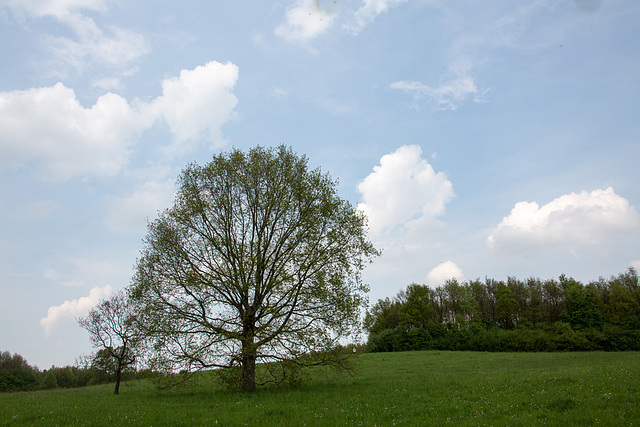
{"x":516,"y":315}
{"x":258,"y":260}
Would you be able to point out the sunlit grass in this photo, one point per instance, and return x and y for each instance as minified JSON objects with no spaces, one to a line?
{"x":415,"y":388}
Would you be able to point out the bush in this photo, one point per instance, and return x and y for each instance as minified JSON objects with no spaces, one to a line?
{"x":558,"y":336}
{"x":388,"y":340}
{"x":50,"y":381}
{"x":17,"y":379}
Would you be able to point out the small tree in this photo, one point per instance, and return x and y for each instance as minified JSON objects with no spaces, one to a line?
{"x":259,"y":260}
{"x":112,"y":330}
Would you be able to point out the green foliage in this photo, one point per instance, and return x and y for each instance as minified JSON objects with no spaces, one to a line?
{"x":259,"y":260}
{"x":507,"y":307}
{"x":580,"y":305}
{"x":385,"y":314}
{"x":16,"y":374}
{"x":17,"y":379}
{"x":561,"y":315}
{"x":65,"y":377}
{"x":50,"y":381}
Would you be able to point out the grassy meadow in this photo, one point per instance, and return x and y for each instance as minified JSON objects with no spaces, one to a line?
{"x":412,"y":388}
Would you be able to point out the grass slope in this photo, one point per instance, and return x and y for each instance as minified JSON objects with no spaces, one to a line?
{"x":414,"y":388}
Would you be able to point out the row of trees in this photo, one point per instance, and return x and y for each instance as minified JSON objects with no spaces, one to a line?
{"x":16,"y":374}
{"x":529,"y":315}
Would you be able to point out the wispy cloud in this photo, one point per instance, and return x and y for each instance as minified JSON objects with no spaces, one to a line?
{"x":116,"y":48}
{"x":369,"y":10}
{"x":57,"y":8}
{"x":476,"y":32}
{"x":306,"y":20}
{"x":449,"y":95}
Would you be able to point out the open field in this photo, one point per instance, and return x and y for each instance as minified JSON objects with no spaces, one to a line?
{"x":413,"y":388}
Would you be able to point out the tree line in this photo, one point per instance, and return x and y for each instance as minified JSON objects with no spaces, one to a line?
{"x":516,"y":315}
{"x":16,"y":374}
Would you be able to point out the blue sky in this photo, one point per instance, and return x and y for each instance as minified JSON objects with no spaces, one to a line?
{"x":483,"y":139}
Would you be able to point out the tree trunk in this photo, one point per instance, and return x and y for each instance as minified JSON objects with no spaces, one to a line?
{"x":118,"y":374}
{"x":248,"y":365}
{"x":120,"y":359}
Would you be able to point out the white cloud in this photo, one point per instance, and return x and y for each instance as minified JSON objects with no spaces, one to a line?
{"x":305,"y":21}
{"x":120,"y":48}
{"x":403,"y":190}
{"x":449,"y":95}
{"x":198,"y":102}
{"x":91,"y":44}
{"x":50,"y":125}
{"x":57,"y":8}
{"x":131,"y":213}
{"x":636,"y":264}
{"x":476,"y":31}
{"x":74,"y":308}
{"x":368,"y":12}
{"x":570,"y":221}
{"x":441,"y":273}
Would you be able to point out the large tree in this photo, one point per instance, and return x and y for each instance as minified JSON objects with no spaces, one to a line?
{"x":259,"y":260}
{"x":113,"y":332}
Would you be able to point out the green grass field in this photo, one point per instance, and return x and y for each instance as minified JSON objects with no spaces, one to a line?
{"x":415,"y":388}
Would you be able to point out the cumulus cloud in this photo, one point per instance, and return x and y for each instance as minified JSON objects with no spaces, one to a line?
{"x":304,"y":21}
{"x":441,"y":273}
{"x":368,"y":12}
{"x":74,"y":308}
{"x":449,"y":95}
{"x":198,"y":102}
{"x":131,"y":213}
{"x":51,"y":126}
{"x":402,"y":190}
{"x":570,"y":221}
